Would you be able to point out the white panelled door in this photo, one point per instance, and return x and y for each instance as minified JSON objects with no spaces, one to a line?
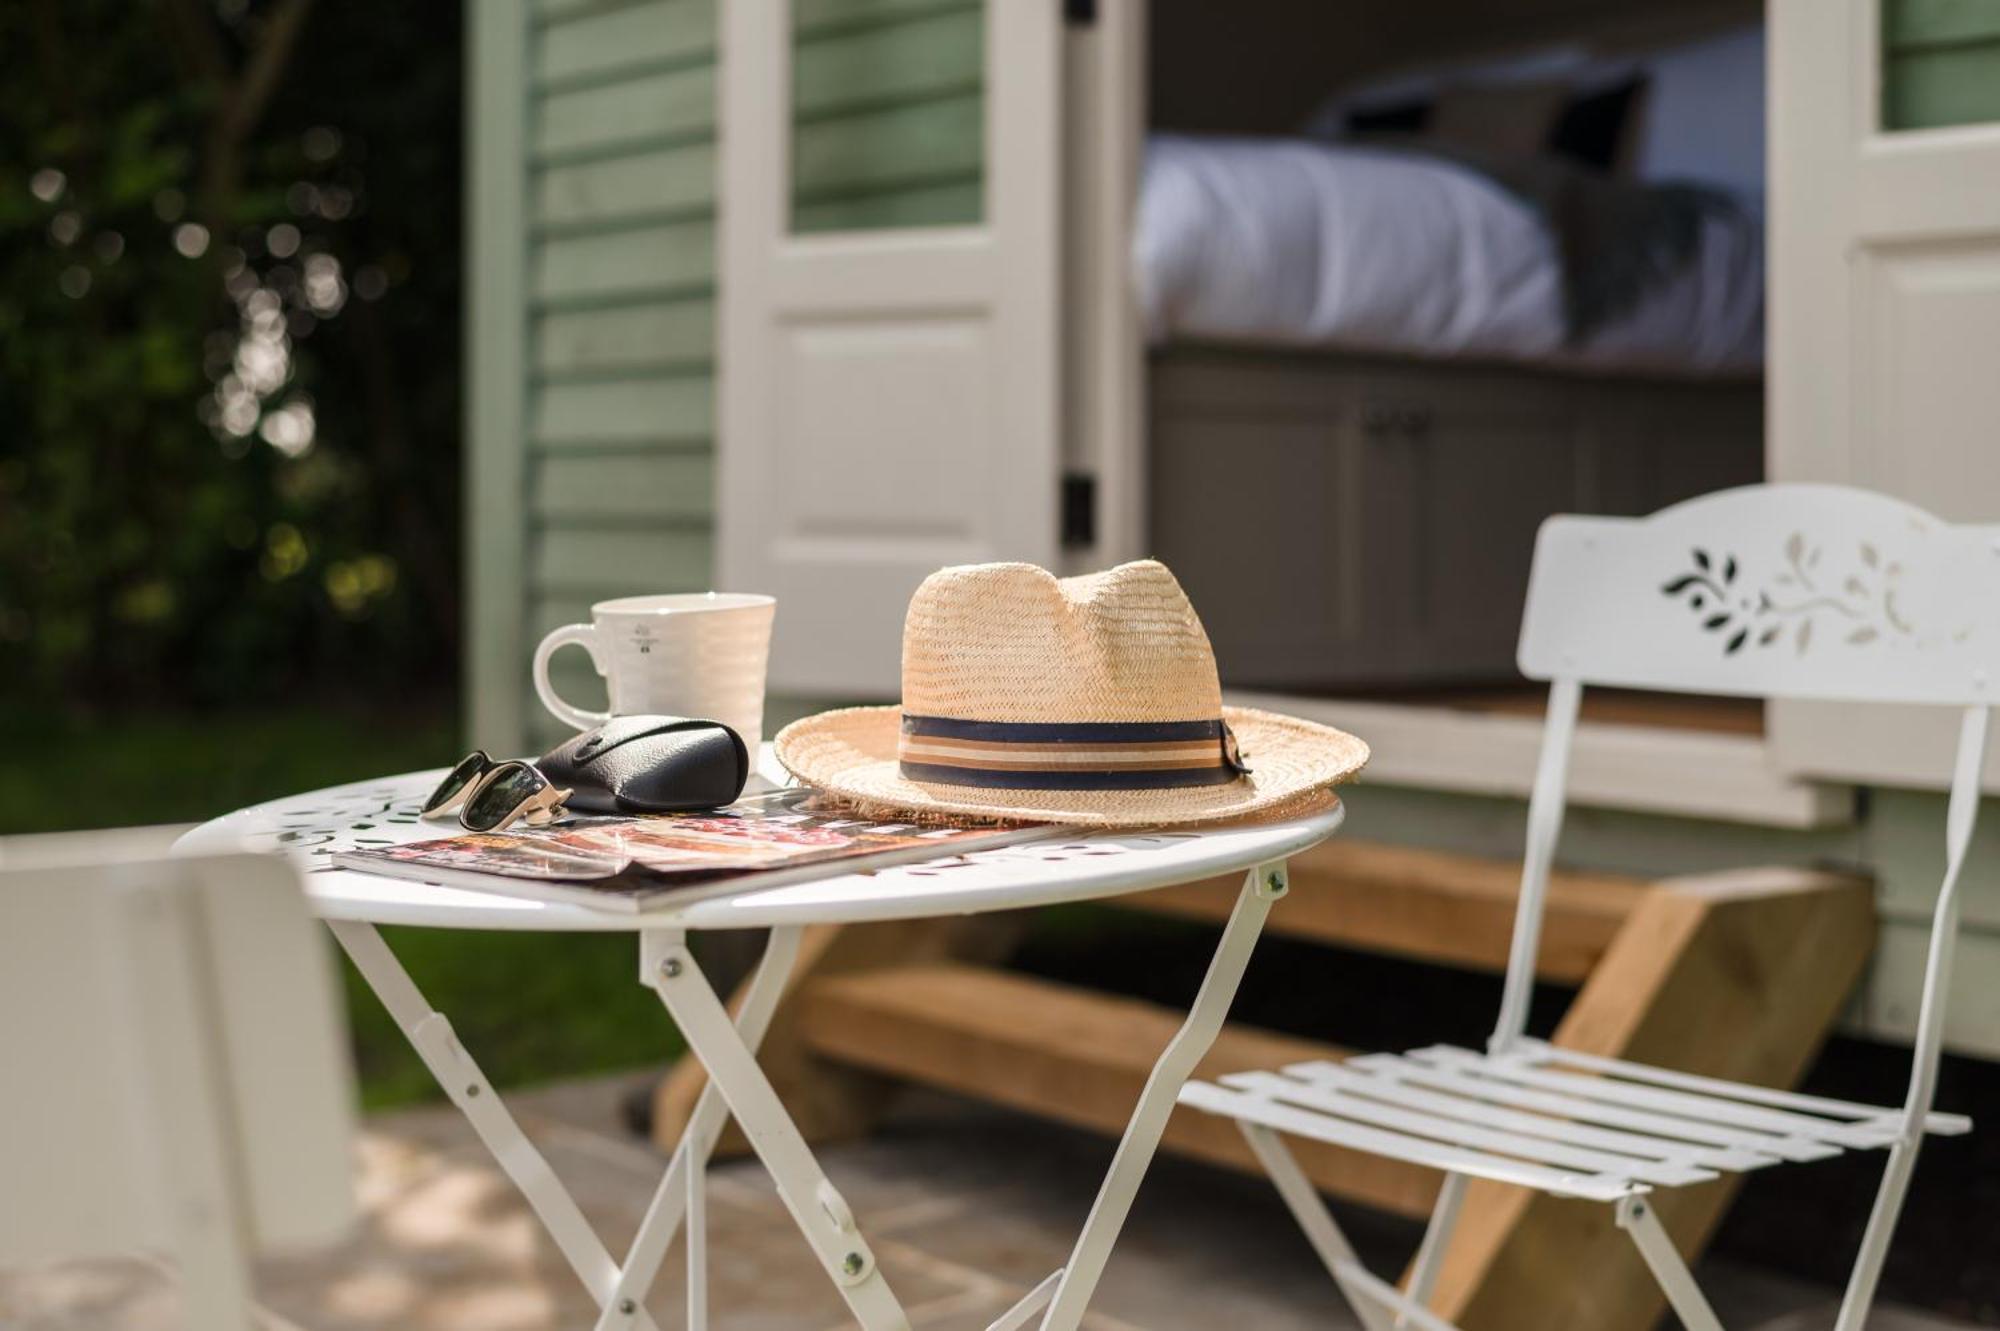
{"x":889,"y":398}
{"x":1884,"y":330}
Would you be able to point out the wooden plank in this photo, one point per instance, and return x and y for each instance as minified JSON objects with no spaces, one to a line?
{"x":621,"y":411}
{"x":496,"y":397}
{"x":663,"y":259}
{"x":1931,"y":23}
{"x":1456,"y":909}
{"x":647,"y":184}
{"x":670,"y":487}
{"x":829,"y":1101}
{"x":1068,"y":1054}
{"x":961,"y":203}
{"x":817,"y":18}
{"x":666,"y":334}
{"x":602,"y":43}
{"x":908,"y":145}
{"x":930,"y":56}
{"x":1737,"y":975}
{"x":1932,"y":89}
{"x":592,"y":559}
{"x":673,"y":102}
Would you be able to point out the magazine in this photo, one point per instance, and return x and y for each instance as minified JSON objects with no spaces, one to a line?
{"x":635,"y":863}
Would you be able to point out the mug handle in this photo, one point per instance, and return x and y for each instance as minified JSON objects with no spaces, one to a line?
{"x":584,"y":636}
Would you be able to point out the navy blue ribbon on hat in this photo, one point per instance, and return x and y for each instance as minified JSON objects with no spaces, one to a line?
{"x":1069,"y":755}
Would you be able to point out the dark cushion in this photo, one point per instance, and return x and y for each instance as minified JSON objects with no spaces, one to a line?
{"x":1595,"y":128}
{"x":1411,"y":117}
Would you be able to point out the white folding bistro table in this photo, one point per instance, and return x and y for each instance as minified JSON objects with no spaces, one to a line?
{"x":1035,"y":873}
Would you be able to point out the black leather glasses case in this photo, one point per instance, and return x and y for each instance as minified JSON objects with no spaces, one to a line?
{"x":650,"y":764}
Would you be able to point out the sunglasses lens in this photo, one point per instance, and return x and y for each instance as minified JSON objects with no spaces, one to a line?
{"x":455,"y":782}
{"x":508,"y":787}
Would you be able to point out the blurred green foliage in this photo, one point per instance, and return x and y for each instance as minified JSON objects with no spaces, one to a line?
{"x":229,"y":293}
{"x":230,"y":283}
{"x":136,"y":768}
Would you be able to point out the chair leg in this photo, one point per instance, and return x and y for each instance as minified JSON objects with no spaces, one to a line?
{"x":1437,"y":1236}
{"x":1321,"y":1230}
{"x":1860,"y":1296}
{"x":1637,"y":1218}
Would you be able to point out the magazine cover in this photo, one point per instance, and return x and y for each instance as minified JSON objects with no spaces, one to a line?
{"x":621,"y":863}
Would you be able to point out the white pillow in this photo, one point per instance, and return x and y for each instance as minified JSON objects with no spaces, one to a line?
{"x":1704,"y":112}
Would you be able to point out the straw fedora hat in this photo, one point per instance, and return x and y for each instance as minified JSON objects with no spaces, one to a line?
{"x":1089,"y":700}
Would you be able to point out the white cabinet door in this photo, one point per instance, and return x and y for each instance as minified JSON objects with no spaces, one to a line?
{"x":889,"y":397}
{"x":1884,"y":329}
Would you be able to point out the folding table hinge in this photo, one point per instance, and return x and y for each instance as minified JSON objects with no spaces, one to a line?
{"x":663,"y":955}
{"x":437,"y":1044}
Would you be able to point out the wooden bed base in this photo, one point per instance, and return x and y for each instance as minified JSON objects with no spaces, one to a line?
{"x":1381,"y":511}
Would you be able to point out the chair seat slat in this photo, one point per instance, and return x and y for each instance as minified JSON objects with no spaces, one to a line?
{"x":1539,"y":1148}
{"x":1939,"y":1124}
{"x":1706,"y":1109}
{"x":1798,"y":1150}
{"x":1721,"y":1158}
{"x":1377,"y":1141}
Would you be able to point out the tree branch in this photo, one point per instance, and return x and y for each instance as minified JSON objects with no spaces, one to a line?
{"x":190,"y":27}
{"x":266,"y":67}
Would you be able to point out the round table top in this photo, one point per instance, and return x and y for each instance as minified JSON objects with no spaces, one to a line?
{"x":312,"y":826}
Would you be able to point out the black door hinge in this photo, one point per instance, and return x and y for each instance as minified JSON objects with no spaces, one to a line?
{"x":1080,"y":13}
{"x":1079,"y":509}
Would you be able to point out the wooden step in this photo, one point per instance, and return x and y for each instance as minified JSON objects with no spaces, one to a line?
{"x":1069,"y":1054}
{"x":1454,"y":909}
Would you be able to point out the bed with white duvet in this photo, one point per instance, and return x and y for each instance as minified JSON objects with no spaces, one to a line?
{"x":1305,"y":243}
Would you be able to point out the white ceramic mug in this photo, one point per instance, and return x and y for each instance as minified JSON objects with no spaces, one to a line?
{"x":695,"y":654}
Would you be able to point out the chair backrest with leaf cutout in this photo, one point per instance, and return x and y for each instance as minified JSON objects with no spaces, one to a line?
{"x":1777,"y":591}
{"x":1772,"y":591}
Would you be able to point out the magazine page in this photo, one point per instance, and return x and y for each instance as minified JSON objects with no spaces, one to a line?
{"x":639,"y":856}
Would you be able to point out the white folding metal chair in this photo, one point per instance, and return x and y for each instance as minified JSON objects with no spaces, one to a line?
{"x":1781,"y":591}
{"x":172,"y":1068}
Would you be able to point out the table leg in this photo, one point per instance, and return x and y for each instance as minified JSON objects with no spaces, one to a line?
{"x":681,"y":1188}
{"x":431,"y":1035}
{"x":1263,"y":885}
{"x":820,"y":1212}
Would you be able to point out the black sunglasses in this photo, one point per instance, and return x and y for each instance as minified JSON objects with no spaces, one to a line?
{"x":488,"y":796}
{"x":457,"y":784}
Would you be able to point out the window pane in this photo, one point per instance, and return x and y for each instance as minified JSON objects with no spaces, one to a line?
{"x":1940,"y":63}
{"x":888,"y":114}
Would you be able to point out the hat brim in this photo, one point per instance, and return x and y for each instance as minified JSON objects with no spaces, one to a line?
{"x":851,"y":754}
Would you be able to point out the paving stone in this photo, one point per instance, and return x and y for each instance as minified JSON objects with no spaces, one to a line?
{"x":967,"y":1207}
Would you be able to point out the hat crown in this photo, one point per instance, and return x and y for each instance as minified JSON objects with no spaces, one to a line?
{"x":1014,"y":643}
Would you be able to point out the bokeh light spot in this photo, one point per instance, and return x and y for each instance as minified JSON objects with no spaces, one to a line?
{"x":285,"y":552}
{"x":321,"y":143}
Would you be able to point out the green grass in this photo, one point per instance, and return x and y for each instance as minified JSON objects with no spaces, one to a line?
{"x":530,"y":1007}
{"x":66,"y":772}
